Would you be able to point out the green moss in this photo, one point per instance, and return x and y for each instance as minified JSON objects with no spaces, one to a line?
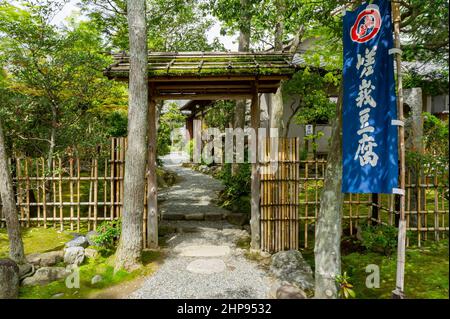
{"x":243,"y":242}
{"x":36,"y":240}
{"x":103,"y":266}
{"x":426,"y":272}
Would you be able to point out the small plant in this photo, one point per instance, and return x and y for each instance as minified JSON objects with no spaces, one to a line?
{"x":345,"y":288}
{"x":108,"y":233}
{"x":379,"y":238}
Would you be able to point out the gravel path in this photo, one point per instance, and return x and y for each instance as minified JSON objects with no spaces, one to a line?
{"x":204,"y":263}
{"x":194,"y":193}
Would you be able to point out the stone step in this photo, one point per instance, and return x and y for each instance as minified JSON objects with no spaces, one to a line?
{"x":195,"y":216}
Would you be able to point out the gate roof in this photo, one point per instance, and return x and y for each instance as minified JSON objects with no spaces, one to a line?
{"x":209,"y":75}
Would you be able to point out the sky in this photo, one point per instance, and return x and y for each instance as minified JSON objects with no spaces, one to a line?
{"x":230,"y":43}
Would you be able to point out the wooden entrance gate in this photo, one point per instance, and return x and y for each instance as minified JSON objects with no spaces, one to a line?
{"x":280,"y":194}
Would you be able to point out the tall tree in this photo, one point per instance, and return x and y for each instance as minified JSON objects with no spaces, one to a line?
{"x":244,"y":46}
{"x":129,"y":251}
{"x":9,"y":209}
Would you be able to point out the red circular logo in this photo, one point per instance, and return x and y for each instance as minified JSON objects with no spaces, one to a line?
{"x":367,"y":25}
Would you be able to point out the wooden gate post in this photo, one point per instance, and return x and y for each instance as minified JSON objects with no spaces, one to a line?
{"x":255,"y":224}
{"x":152,"y":191}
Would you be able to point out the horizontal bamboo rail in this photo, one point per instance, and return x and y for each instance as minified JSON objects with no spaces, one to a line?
{"x":79,"y":194}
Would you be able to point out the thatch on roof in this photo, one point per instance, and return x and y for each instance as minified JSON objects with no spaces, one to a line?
{"x":207,"y":64}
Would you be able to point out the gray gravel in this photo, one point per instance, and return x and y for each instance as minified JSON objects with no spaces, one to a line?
{"x":241,"y":278}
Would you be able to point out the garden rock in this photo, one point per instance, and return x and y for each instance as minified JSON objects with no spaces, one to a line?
{"x":288,"y":291}
{"x":26,"y":270}
{"x":96,"y":279}
{"x":80,"y":241}
{"x":46,"y":259}
{"x":289,"y":266}
{"x":74,"y":256}
{"x":9,"y":279}
{"x":90,"y":236}
{"x":90,"y":253}
{"x":45,"y":275}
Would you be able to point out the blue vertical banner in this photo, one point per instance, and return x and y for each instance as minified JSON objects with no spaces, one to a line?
{"x":370,"y":149}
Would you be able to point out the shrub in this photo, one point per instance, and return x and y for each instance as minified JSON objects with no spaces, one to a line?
{"x":379,"y":238}
{"x":108,"y":233}
{"x":236,"y":186}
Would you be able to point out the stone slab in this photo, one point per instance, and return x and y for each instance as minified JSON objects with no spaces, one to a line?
{"x":206,"y":266}
{"x":203,"y":251}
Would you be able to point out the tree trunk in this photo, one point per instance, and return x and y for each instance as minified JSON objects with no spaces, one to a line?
{"x":130,"y":244}
{"x":9,"y":209}
{"x":327,"y":250}
{"x":244,"y":46}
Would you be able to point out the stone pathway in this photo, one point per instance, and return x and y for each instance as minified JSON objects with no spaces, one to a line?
{"x":203,"y":260}
{"x":192,"y":198}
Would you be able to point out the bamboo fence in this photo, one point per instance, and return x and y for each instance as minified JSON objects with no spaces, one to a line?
{"x":79,"y":194}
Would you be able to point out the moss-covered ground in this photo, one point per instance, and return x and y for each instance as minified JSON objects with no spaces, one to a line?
{"x":426,"y":271}
{"x":43,"y":240}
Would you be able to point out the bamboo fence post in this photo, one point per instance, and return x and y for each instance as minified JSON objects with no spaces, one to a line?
{"x":61,"y":213}
{"x":19,"y":190}
{"x":38,"y":194}
{"x":54,"y":192}
{"x":91,"y":186}
{"x":71,"y":192}
{"x":105,"y":192}
{"x":400,"y":276}
{"x":44,"y":192}
{"x":436,"y":208}
{"x":27,"y":191}
{"x":78,"y":194}
{"x":111,"y":181}
{"x":306,"y":205}
{"x":95,"y":192}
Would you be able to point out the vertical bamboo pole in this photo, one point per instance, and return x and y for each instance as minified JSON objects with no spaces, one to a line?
{"x":95,"y":192}
{"x":400,"y":277}
{"x":152,"y":187}
{"x":91,"y":173}
{"x":111,"y":183}
{"x":44,"y":192}
{"x":105,"y":191}
{"x":71,"y":191}
{"x":27,"y":190}
{"x":78,"y":194}
{"x":436,"y":208}
{"x":54,"y":192}
{"x":306,"y":205}
{"x":19,"y":189}
{"x":61,"y":213}
{"x":38,"y":196}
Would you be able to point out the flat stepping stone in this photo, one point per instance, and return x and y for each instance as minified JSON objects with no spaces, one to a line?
{"x":206,"y":266}
{"x":203,"y":251}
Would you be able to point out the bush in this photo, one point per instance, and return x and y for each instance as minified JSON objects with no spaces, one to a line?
{"x":379,"y":238}
{"x":108,"y":233}
{"x":237,"y":186}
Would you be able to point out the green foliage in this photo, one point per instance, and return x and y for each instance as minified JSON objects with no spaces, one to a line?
{"x":312,"y":90}
{"x":108,"y":233}
{"x":434,"y":159}
{"x":379,"y":238}
{"x":55,"y":93}
{"x":168,"y":122}
{"x":176,"y":25}
{"x":432,"y":84}
{"x":220,"y":115}
{"x":345,"y":288}
{"x":236,"y":186}
{"x":117,"y":124}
